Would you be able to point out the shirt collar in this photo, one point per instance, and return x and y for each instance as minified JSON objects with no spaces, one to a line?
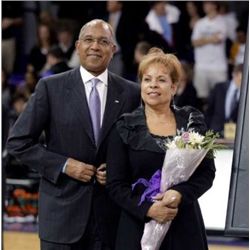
{"x":86,"y":76}
{"x":233,"y":85}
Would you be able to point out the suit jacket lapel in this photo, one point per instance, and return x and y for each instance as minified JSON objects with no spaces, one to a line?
{"x":114,"y":104}
{"x":77,"y":98}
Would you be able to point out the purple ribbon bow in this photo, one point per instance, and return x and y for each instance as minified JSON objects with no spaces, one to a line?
{"x":153,"y":186}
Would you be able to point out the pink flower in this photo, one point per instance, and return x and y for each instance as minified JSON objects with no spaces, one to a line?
{"x":185,"y":137}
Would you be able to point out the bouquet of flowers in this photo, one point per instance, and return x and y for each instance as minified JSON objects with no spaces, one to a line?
{"x":184,"y":154}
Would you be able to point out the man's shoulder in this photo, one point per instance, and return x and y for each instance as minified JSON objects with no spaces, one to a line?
{"x":61,"y":80}
{"x":57,"y":82}
{"x":60,"y":76}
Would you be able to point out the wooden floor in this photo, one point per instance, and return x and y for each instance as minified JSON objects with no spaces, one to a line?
{"x":30,"y":241}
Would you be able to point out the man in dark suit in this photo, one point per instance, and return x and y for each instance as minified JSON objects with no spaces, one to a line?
{"x":74,"y":210}
{"x":223,"y":102}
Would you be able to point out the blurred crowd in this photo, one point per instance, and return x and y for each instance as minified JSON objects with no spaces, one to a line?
{"x":38,"y":40}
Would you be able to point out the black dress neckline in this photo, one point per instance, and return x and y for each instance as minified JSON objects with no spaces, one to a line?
{"x":134,"y":132}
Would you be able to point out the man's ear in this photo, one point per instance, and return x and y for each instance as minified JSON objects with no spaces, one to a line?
{"x":114,"y":48}
{"x":77,"y":44}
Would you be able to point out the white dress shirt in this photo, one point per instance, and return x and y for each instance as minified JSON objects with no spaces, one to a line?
{"x":102,"y":87}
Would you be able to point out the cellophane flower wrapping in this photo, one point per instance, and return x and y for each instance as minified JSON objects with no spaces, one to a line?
{"x":179,"y":165}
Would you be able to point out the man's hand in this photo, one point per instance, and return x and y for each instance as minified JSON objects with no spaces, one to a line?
{"x":213,"y":39}
{"x":101,"y":174}
{"x":79,"y":170}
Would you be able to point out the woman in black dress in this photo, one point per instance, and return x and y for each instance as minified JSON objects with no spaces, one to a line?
{"x":137,"y":149}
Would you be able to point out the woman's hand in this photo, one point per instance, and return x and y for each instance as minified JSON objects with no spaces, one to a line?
{"x":165,"y":207}
{"x":172,"y":198}
{"x":161,"y":213}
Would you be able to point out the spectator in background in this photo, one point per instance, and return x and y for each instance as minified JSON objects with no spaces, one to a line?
{"x":186,"y":93}
{"x":130,"y":30}
{"x":208,"y":39}
{"x":191,"y":12}
{"x":46,"y":39}
{"x":237,"y":50}
{"x":161,"y":19}
{"x":47,"y":18}
{"x":231,"y":25}
{"x":18,"y":103}
{"x":194,"y":13}
{"x":230,"y":20}
{"x":6,"y":92}
{"x":114,"y":9}
{"x":223,"y":102}
{"x":141,"y":50}
{"x":74,"y":61}
{"x":27,"y":87}
{"x":56,"y":62}
{"x":65,"y":37}
{"x":11,"y":20}
{"x":14,"y":169}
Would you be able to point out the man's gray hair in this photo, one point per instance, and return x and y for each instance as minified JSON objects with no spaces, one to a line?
{"x":94,"y":22}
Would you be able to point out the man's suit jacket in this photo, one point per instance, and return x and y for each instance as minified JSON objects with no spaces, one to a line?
{"x":59,"y":107}
{"x":215,"y":115}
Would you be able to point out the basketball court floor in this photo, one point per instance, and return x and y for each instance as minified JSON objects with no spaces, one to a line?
{"x":30,"y":241}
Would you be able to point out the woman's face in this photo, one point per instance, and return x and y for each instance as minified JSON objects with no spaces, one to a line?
{"x":157,"y":87}
{"x":191,"y":9}
{"x":43,"y":32}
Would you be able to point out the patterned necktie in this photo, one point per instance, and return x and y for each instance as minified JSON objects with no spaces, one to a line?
{"x":95,"y":109}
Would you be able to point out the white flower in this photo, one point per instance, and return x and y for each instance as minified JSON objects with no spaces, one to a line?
{"x":195,"y":138}
{"x":171,"y":145}
{"x":177,"y":138}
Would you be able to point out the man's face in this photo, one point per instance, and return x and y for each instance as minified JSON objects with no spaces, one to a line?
{"x":95,"y":47}
{"x":209,"y":7}
{"x":160,"y":9}
{"x":65,"y":37}
{"x":113,"y":6}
